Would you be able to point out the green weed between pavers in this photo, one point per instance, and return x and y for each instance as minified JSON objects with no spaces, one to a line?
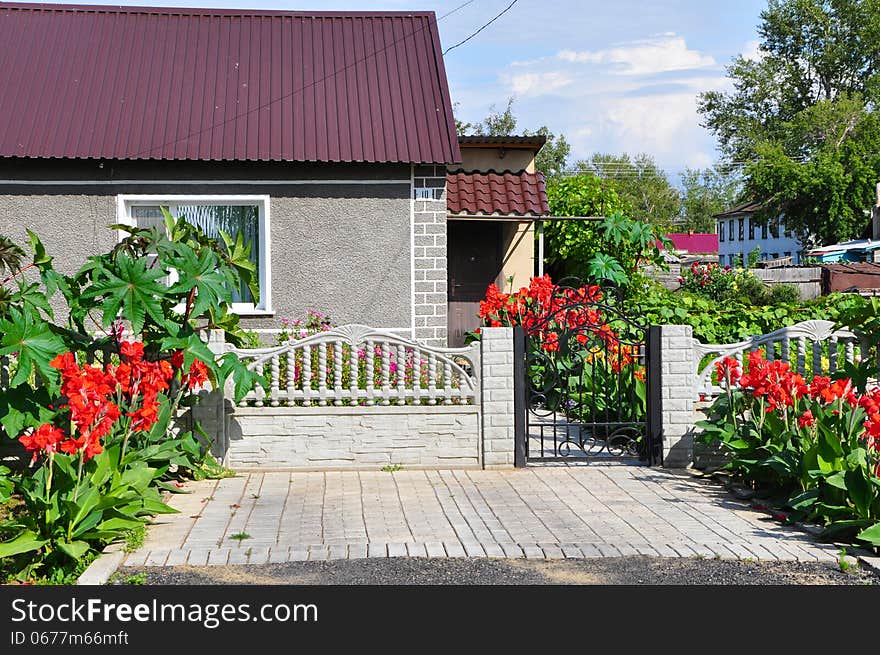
{"x":134,"y":538}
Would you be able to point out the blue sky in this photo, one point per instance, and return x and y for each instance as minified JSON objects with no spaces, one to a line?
{"x":613,"y":76}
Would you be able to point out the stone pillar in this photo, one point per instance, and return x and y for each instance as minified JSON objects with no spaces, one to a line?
{"x":678,"y":378}
{"x":210,"y":411}
{"x":496,"y":397}
{"x":429,"y":256}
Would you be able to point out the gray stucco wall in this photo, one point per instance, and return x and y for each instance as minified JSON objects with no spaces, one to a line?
{"x":342,"y":249}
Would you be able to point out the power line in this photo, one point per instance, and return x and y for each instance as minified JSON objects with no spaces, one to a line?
{"x":463,"y":41}
{"x":290,"y":94}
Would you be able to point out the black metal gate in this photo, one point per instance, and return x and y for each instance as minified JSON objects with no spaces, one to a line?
{"x":588,"y":380}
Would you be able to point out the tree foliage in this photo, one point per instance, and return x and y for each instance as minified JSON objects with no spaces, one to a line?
{"x":705,"y":193}
{"x":801,"y":115}
{"x":609,"y":248}
{"x":641,"y":184}
{"x":550,"y":160}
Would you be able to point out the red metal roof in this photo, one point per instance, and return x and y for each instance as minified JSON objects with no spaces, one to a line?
{"x":694,"y":243}
{"x":203,"y":84}
{"x":502,"y":194}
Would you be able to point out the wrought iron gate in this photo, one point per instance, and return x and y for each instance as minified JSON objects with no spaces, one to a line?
{"x":588,"y":381}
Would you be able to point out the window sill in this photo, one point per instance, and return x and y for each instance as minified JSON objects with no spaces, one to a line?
{"x":250,"y":312}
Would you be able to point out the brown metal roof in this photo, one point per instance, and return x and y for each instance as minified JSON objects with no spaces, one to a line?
{"x":507,"y":141}
{"x":199,"y":84}
{"x":746,"y":208}
{"x":500,"y":194}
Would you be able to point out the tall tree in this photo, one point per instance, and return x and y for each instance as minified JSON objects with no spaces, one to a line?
{"x":705,"y":193}
{"x":550,"y":160}
{"x":800,"y":117}
{"x":641,"y":184}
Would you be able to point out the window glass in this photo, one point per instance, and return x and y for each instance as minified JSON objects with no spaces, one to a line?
{"x":211,"y":219}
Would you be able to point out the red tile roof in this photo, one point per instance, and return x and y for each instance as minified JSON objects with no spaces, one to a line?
{"x":205,"y":84}
{"x":502,"y":194}
{"x":694,"y":243}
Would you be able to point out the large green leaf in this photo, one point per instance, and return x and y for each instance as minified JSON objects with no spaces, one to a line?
{"x":23,"y":407}
{"x":33,"y":341}
{"x":30,"y":298}
{"x":239,"y":254}
{"x":74,"y":549}
{"x":871,"y":535}
{"x":244,"y":377}
{"x":130,"y":287}
{"x":25,"y":542}
{"x":860,"y":492}
{"x":201,"y":272}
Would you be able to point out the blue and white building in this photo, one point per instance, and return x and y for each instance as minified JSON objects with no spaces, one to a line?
{"x":739,"y":233}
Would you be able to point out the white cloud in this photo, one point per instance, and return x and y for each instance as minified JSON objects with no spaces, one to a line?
{"x":635,"y":97}
{"x":534,"y":84}
{"x":659,"y":54}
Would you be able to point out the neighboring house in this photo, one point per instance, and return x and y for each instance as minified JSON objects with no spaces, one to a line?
{"x":859,"y":250}
{"x":494,"y":201}
{"x":322,"y":137}
{"x":739,"y":233}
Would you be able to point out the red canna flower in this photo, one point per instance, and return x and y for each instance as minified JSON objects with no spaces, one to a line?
{"x":806,"y":419}
{"x":45,"y":438}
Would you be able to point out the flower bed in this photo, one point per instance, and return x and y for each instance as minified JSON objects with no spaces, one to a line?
{"x":813,"y":443}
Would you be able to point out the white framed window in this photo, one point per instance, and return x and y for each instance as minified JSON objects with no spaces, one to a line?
{"x":234,"y":214}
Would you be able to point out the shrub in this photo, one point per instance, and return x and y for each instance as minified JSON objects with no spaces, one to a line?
{"x":783,"y":294}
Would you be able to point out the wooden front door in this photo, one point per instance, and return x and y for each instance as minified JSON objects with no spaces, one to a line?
{"x":475,"y":259}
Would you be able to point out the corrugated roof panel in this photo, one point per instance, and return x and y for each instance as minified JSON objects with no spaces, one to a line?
{"x":145,"y":83}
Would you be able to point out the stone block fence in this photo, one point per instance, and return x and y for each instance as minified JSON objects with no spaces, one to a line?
{"x":408,"y":403}
{"x":358,"y":398}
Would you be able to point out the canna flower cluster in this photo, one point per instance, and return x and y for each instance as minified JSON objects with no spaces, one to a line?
{"x":547,"y":311}
{"x":95,"y":398}
{"x":773,"y":387}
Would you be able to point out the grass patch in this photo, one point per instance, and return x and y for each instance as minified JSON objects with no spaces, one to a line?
{"x":240,"y":536}
{"x":391,"y":468}
{"x":133,"y":579}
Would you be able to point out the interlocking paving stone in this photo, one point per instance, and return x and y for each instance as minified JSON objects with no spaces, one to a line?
{"x":494,"y":550}
{"x":218,"y":557}
{"x":435,"y":549}
{"x":537,"y":512}
{"x":319,"y":552}
{"x":589,"y":550}
{"x":377,"y":550}
{"x":416,"y":550}
{"x":474,"y":549}
{"x":280,"y":554}
{"x":552,"y":551}
{"x":397,"y":550}
{"x":357,"y":551}
{"x":156,"y":558}
{"x":177,"y":557}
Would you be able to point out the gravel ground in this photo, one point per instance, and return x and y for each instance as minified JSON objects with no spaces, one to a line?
{"x":600,"y":571}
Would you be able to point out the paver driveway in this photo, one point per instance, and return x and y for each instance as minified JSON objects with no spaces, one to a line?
{"x":541,"y":512}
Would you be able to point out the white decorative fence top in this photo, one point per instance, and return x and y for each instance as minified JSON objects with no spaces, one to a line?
{"x":359,"y":365}
{"x":811,"y":347}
